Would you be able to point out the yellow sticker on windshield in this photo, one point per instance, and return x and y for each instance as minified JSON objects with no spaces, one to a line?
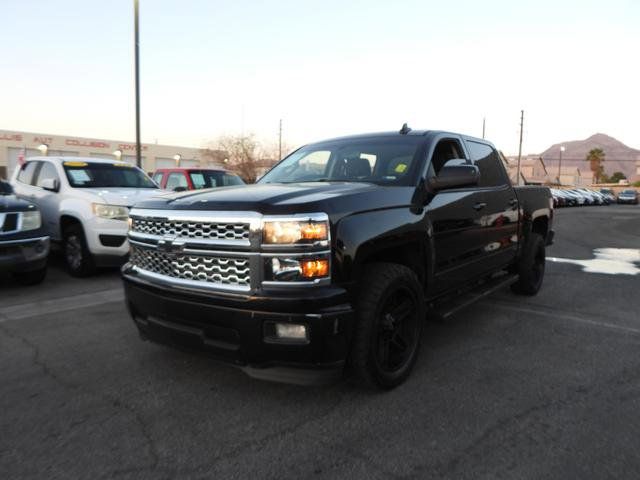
{"x":400,"y":168}
{"x":75,"y":164}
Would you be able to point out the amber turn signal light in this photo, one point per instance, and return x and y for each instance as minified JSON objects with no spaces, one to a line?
{"x":313,"y":231}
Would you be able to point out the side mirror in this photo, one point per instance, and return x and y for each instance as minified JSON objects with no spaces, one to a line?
{"x":455,"y":174}
{"x":5,"y":188}
{"x":51,"y":184}
{"x":180,"y":189}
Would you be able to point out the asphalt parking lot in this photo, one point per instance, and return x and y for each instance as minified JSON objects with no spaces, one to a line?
{"x":512,"y":387}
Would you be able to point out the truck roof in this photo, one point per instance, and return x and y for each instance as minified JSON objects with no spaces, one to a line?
{"x":190,"y":169}
{"x":396,"y":133}
{"x":60,"y":159}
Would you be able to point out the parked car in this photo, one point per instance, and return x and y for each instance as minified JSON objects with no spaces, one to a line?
{"x":24,"y":245}
{"x":604,"y":200}
{"x":607,"y":192}
{"x":591,"y":198}
{"x":334,"y":255}
{"x":628,"y":196}
{"x":85,"y":205}
{"x":181,"y":179}
{"x":579,"y":198}
{"x":559,"y":200}
{"x":571,"y":200}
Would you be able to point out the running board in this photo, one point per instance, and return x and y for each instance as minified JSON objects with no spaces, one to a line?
{"x":442,"y":310}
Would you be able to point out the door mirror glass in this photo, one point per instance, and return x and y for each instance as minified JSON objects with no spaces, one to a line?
{"x":50,"y":184}
{"x":456,"y":173}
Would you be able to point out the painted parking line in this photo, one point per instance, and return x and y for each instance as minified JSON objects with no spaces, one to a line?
{"x":47,"y":307}
{"x":610,"y":261}
{"x":555,"y":314}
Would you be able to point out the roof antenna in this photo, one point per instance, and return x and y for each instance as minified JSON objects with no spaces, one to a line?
{"x":405,"y":129}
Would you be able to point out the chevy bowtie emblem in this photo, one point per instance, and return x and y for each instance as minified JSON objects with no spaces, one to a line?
{"x":170,"y":245}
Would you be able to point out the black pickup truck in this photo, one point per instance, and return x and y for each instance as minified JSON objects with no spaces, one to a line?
{"x":335,"y":257}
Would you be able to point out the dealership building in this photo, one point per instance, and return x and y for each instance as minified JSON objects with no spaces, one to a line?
{"x":15,"y":146}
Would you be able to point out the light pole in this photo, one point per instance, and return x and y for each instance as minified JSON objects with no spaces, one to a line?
{"x":177,"y":157}
{"x":136,"y":42}
{"x":560,"y":165}
{"x":43,"y":148}
{"x":520,"y":146}
{"x":117,"y":154}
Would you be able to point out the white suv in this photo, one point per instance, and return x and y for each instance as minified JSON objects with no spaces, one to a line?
{"x":84,"y":204}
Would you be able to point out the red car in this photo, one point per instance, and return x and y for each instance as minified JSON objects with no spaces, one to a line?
{"x":181,"y":179}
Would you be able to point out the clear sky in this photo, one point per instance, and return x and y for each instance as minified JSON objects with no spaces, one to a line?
{"x":326,"y":68}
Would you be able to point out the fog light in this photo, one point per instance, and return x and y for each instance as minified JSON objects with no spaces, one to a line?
{"x":286,"y":332}
{"x":291,"y":331}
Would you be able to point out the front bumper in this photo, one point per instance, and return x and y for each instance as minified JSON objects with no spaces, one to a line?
{"x":231,"y":328}
{"x":24,"y":255}
{"x":107,"y":238}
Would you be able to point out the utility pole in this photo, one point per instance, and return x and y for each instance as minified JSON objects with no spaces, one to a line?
{"x":483,"y":125}
{"x":280,"y":142}
{"x":520,"y":146}
{"x":137,"y":74}
{"x":560,"y":165}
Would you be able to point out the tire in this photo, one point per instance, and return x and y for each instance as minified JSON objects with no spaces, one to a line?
{"x":390,"y":314}
{"x":77,"y":257}
{"x":531,"y":267}
{"x":33,"y":277}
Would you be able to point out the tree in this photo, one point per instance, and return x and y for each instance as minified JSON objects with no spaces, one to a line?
{"x":617,"y":176}
{"x":242,"y":154}
{"x":595,"y":157}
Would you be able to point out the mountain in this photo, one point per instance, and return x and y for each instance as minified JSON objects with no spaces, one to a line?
{"x":618,"y":156}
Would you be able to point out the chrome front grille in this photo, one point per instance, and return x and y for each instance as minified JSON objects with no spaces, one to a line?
{"x":191,"y":229}
{"x":214,"y":270}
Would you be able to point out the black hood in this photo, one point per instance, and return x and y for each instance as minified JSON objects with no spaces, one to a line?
{"x":11,"y":203}
{"x":333,"y":198}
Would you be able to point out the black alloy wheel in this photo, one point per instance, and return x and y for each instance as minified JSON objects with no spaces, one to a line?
{"x":390,"y":315}
{"x":397,"y":330}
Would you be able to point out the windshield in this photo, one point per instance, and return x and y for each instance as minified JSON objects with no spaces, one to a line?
{"x":213,"y":178}
{"x":103,"y":175}
{"x":383,"y":160}
{"x":629,"y":192}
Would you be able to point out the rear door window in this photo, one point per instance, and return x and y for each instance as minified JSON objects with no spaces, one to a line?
{"x":492,"y":172}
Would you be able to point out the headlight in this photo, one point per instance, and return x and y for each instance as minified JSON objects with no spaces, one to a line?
{"x":312,"y":229}
{"x":113,"y":212}
{"x":31,"y":221}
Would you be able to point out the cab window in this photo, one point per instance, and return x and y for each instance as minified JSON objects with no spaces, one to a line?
{"x":158,"y":178}
{"x":26,"y":173}
{"x":446,"y":149}
{"x":47,"y":171}
{"x":176,"y":180}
